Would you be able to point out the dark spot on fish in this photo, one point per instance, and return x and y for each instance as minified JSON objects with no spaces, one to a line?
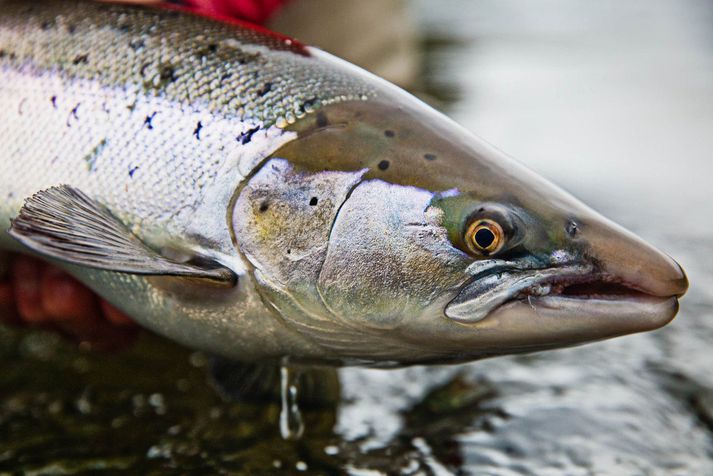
{"x":148,"y":122}
{"x":137,"y":45}
{"x":197,"y":131}
{"x":226,"y":76}
{"x":19,"y":106}
{"x":572,"y":228}
{"x":389,"y":133}
{"x":481,"y":210}
{"x":73,"y":114}
{"x":132,"y":171}
{"x":245,"y":58}
{"x":168,"y":74}
{"x":322,"y":120}
{"x":71,"y":29}
{"x":313,"y":201}
{"x":122,"y":29}
{"x":212,"y":47}
{"x":53,"y":100}
{"x":94,"y":155}
{"x":383,"y":165}
{"x":308,"y":104}
{"x":289,"y":252}
{"x":266,"y":89}
{"x":46,"y":25}
{"x":264,"y":206}
{"x":5,"y":54}
{"x":142,"y":71}
{"x":430,"y":157}
{"x":80,"y":59}
{"x":246,"y":137}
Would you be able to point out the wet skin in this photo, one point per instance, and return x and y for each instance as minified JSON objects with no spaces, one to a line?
{"x":38,"y":294}
{"x":387,"y":273}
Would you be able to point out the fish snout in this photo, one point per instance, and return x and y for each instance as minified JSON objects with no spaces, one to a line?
{"x":633,"y":262}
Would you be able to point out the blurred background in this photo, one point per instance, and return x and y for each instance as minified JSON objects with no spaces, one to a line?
{"x":613,"y":100}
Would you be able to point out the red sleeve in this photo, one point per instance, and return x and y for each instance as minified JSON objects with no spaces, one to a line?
{"x":254,"y":11}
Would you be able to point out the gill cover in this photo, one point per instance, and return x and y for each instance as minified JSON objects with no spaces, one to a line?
{"x":342,"y":259}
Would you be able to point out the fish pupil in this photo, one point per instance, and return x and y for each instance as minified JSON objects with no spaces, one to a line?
{"x":484,"y":237}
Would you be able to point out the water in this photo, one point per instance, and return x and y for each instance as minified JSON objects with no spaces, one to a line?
{"x":611,"y":99}
{"x":291,"y":423}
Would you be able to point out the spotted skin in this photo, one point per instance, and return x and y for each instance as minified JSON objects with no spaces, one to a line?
{"x":160,"y":116}
{"x":338,"y":200}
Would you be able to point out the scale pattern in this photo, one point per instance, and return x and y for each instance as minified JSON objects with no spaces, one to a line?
{"x":148,"y":111}
{"x":225,"y":68}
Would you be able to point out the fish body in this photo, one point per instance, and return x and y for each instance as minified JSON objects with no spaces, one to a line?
{"x":171,"y":151}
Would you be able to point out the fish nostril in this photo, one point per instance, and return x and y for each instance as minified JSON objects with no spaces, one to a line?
{"x":572,"y":228}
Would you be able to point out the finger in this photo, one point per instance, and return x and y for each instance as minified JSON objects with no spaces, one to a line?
{"x":66,"y":299}
{"x":25,"y":275}
{"x":115,"y":316}
{"x":73,"y":308}
{"x":78,"y":312}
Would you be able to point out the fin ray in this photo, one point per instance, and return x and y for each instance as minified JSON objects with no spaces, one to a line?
{"x":64,"y":223}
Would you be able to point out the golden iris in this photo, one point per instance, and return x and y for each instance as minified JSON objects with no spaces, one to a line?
{"x":485,"y":237}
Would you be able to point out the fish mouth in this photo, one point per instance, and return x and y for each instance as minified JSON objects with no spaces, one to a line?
{"x":598,"y":286}
{"x":560,"y":305}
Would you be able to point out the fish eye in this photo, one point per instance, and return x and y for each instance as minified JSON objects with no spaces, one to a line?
{"x":485,"y":237}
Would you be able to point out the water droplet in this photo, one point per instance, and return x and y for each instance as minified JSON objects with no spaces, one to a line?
{"x":331,"y":450}
{"x":291,"y":424}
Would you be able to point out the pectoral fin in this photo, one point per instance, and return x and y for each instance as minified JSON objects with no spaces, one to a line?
{"x":65,"y":224}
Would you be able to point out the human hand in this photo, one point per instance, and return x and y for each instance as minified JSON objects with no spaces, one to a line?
{"x":33,"y":293}
{"x":254,"y":11}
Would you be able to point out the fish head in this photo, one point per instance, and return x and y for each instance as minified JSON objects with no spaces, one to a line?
{"x":436,"y":247}
{"x":549,"y":272}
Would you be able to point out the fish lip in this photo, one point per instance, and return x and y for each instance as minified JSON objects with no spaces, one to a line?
{"x":560,"y":321}
{"x":561,"y":283}
{"x":596,"y":285}
{"x":601,"y":295}
{"x":488,"y":290}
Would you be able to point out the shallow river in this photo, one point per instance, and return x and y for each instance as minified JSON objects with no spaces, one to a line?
{"x":611,"y":99}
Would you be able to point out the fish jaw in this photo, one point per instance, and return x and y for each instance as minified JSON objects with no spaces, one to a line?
{"x":546,"y":322}
{"x":618,"y":285}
